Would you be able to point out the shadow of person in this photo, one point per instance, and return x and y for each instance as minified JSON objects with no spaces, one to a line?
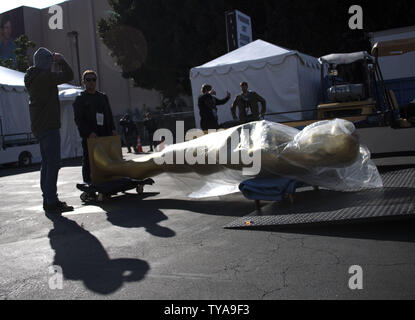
{"x":82,"y":257}
{"x":126,"y":212}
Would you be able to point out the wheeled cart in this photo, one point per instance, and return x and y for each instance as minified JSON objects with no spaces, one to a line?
{"x":100,"y":192}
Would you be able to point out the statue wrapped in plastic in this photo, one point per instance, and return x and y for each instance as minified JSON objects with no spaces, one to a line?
{"x":325,"y":153}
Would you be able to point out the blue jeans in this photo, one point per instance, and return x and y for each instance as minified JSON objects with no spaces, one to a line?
{"x":50,"y":150}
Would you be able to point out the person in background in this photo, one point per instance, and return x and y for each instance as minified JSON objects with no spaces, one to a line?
{"x":130,"y":132}
{"x":207,"y":107}
{"x":247,"y":103}
{"x":93,"y":117}
{"x":151,"y":126}
{"x":44,"y":108}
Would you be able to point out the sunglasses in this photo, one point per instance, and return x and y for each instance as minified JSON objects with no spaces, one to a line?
{"x":90,"y":79}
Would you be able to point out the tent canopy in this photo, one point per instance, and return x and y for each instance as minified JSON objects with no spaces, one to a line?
{"x":287,"y":79}
{"x":255,"y":55}
{"x":14,"y":80}
{"x":38,"y":4}
{"x":14,"y":111}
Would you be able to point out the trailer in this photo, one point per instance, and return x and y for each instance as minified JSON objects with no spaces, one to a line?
{"x":22,"y":148}
{"x":17,"y":142}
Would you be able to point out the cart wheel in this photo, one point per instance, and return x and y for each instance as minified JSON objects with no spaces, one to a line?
{"x":84,"y":196}
{"x":87,"y":197}
{"x":140,"y":189}
{"x":100,"y":197}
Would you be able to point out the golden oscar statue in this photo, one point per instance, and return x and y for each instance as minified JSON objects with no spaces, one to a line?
{"x":260,"y":148}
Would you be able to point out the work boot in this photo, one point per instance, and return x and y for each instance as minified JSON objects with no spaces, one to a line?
{"x":57,"y":207}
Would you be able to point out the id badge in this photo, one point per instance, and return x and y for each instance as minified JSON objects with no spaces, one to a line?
{"x":100,"y":119}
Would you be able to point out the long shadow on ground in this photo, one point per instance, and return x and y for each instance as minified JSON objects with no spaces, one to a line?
{"x":13,"y":168}
{"x":82,"y":257}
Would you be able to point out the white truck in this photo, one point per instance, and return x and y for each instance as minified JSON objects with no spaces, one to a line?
{"x":22,"y":148}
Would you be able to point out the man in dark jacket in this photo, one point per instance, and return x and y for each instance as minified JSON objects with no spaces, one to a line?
{"x":151,"y":126}
{"x":207,"y":107}
{"x":130,"y":132}
{"x":247,"y":103}
{"x":41,"y":83}
{"x":93,"y":117}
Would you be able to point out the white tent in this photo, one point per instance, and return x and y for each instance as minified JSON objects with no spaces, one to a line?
{"x":288,"y":80}
{"x":14,"y":111}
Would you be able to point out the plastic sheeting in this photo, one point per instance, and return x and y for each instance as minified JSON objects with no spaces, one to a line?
{"x":346,"y":58}
{"x":325,"y":154}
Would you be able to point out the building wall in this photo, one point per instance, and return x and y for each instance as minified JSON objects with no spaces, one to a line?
{"x":82,"y":16}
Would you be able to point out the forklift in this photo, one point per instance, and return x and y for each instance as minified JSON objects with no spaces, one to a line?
{"x":353,"y":88}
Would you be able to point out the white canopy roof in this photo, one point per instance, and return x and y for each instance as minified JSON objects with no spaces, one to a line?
{"x":288,"y":80}
{"x":254,"y":55}
{"x":38,"y":4}
{"x":15,"y":117}
{"x":14,"y":80}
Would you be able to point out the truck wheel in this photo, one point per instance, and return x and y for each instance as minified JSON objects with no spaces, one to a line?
{"x":25,"y":159}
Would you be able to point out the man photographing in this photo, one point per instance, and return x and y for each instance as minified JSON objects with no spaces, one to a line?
{"x":207,"y":103}
{"x":44,"y":107}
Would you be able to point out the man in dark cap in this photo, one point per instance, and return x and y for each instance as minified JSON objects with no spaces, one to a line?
{"x":41,"y":83}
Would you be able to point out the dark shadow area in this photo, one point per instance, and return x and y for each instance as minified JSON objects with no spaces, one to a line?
{"x":127,"y":211}
{"x":82,"y":257}
{"x":131,"y":204}
{"x":74,"y":162}
{"x":13,"y":168}
{"x":387,"y":229}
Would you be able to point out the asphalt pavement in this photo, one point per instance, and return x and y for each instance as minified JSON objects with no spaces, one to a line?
{"x":163,"y":245}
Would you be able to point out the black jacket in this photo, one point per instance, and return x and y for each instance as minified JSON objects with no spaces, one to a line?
{"x":86,"y":107}
{"x":207,"y":109}
{"x":129,"y":127}
{"x":44,"y":104}
{"x":150,"y":125}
